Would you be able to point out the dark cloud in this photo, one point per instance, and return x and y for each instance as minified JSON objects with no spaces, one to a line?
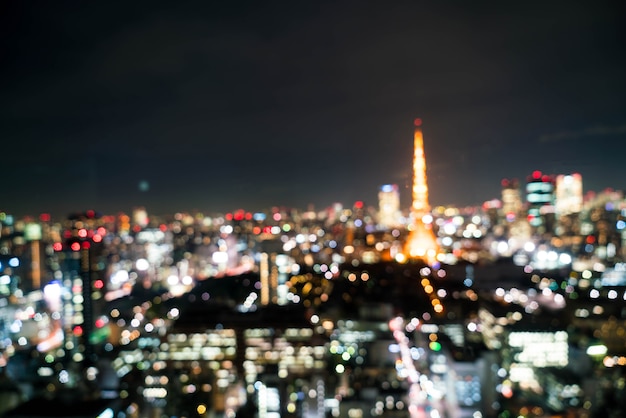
{"x":593,"y":132}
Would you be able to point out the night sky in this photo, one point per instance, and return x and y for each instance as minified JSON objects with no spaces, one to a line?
{"x":214,"y":106}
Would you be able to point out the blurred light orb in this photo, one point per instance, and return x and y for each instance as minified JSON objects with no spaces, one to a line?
{"x":144,"y":186}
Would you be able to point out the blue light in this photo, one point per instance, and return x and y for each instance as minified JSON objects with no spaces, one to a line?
{"x":14,"y":262}
{"x":621,"y":224}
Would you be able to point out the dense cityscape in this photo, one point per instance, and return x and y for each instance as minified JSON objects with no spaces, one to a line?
{"x":512,"y":308}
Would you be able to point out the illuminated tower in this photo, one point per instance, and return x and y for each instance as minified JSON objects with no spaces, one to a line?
{"x":421,"y":243}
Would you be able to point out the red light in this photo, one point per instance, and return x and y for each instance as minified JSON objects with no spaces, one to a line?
{"x":82,"y":233}
{"x":248,"y":216}
{"x":57,"y":246}
{"x":102,"y":231}
{"x":100,"y":323}
{"x":256,"y":230}
{"x":78,"y":330}
{"x":507,"y":392}
{"x":239,"y":215}
{"x":44,"y":217}
{"x":504,"y":183}
{"x":358,"y":204}
{"x":86,"y":245}
{"x":97,"y":238}
{"x":98,"y":284}
{"x":267,"y":229}
{"x":536,"y":174}
{"x":91,"y":214}
{"x":229,"y":216}
{"x":75,"y":246}
{"x":67,"y":234}
{"x":417,"y":122}
{"x":163,"y":227}
{"x":590,"y":239}
{"x":136,"y":228}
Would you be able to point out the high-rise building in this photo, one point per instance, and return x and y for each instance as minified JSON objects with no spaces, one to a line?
{"x":569,"y":194}
{"x":540,"y":198}
{"x":512,"y":204}
{"x":389,"y":206}
{"x":83,"y":277}
{"x":140,"y":217}
{"x":421,"y":243}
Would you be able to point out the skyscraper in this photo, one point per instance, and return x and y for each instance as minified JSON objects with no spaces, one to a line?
{"x":540,"y":198}
{"x":388,"y":206}
{"x":569,"y":194}
{"x":512,"y":204}
{"x":421,"y":243}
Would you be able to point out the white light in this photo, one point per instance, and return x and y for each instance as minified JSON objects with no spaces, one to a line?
{"x":449,"y":229}
{"x":142,"y":264}
{"x":565,"y":258}
{"x":64,"y":376}
{"x":220,"y":257}
{"x":529,"y":247}
{"x":107,"y":413}
{"x":226,"y":229}
{"x":14,"y":262}
{"x":596,"y":350}
{"x":121,"y":276}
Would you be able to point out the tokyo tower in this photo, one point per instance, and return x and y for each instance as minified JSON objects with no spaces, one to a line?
{"x":421,"y":242}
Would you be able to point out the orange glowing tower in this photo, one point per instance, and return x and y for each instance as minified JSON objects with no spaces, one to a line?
{"x":421,"y":242}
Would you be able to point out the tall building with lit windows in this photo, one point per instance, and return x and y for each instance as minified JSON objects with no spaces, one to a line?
{"x":82,"y":285}
{"x":569,"y":194}
{"x":568,"y":204}
{"x":540,"y":198}
{"x":388,"y":206}
{"x":512,"y":205}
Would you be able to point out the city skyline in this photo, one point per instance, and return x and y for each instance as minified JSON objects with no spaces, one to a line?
{"x":215,"y":108}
